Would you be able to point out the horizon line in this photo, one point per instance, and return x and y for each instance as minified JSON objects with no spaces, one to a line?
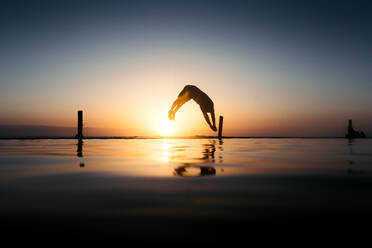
{"x":170,"y":137}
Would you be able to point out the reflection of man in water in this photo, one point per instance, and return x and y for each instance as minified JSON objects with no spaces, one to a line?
{"x":192,"y":92}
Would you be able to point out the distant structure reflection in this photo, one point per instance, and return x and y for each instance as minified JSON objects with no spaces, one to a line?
{"x":351,"y":170}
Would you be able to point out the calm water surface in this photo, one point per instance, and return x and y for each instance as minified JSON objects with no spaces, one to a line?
{"x":167,"y":189}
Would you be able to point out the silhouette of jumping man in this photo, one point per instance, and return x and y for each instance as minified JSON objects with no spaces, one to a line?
{"x":192,"y":92}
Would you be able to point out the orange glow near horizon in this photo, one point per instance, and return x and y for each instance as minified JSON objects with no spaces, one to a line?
{"x":134,"y":101}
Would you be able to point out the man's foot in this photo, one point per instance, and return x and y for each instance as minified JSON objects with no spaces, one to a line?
{"x":171,"y":115}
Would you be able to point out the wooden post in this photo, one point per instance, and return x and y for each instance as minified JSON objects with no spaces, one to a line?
{"x":79,"y":135}
{"x":220,"y":125}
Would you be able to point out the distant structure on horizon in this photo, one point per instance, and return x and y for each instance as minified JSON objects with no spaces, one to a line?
{"x":352,"y":134}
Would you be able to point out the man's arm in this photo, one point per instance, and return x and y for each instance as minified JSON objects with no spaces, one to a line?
{"x":177,"y":104}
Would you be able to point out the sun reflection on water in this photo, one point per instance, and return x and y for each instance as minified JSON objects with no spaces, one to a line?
{"x":165,"y":157}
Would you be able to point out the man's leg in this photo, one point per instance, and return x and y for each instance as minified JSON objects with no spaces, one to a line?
{"x":206,"y":117}
{"x":213,"y":119}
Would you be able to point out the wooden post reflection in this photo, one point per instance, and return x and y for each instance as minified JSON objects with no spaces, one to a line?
{"x":80,"y":148}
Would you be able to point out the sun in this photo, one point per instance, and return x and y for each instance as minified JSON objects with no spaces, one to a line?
{"x":165,"y":127}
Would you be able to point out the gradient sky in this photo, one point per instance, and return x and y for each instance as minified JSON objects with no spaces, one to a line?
{"x":273,"y":68}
